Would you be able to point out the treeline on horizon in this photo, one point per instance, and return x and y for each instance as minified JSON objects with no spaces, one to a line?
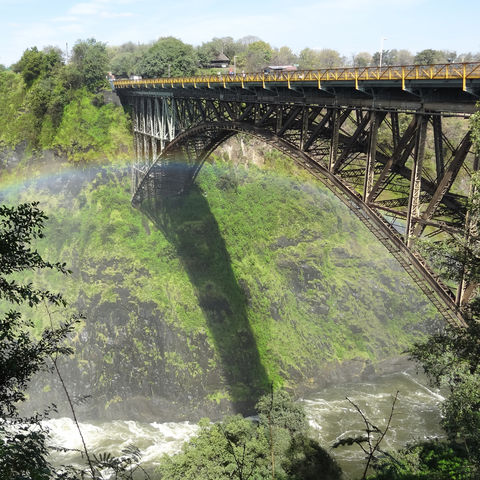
{"x":169,"y":56}
{"x":253,"y":54}
{"x":51,"y":99}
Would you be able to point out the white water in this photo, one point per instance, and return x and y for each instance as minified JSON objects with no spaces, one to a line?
{"x":416,"y":415}
{"x":153,"y":439}
{"x":331,"y":417}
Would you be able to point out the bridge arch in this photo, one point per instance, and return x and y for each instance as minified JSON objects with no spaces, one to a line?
{"x":168,"y":175}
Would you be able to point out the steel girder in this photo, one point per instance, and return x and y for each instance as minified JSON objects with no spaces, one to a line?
{"x":378,"y":156}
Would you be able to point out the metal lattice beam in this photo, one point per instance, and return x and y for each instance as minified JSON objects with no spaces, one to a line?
{"x":174,"y":132}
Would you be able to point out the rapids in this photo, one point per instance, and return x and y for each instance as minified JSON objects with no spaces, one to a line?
{"x":331,"y":416}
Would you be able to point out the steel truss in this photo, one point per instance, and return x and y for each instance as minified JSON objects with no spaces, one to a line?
{"x":374,"y":160}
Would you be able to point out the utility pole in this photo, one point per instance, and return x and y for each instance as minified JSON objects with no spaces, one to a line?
{"x":381,"y":51}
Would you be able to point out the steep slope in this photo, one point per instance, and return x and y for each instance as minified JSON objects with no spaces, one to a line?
{"x":258,"y":275}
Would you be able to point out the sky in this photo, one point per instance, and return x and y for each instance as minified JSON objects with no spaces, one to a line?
{"x":349,"y":26}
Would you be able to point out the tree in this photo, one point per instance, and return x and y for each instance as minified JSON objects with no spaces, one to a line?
{"x":23,"y":450}
{"x":425,"y":460}
{"x":90,"y":59}
{"x":362,"y":60}
{"x":248,"y":40}
{"x":451,"y":357}
{"x":124,"y":59}
{"x":277,"y":447}
{"x":279,"y":410}
{"x":284,"y":56}
{"x":389,"y":58}
{"x":234,"y":448}
{"x":430,"y":57}
{"x":308,"y":59}
{"x":168,"y":57}
{"x":210,"y":50}
{"x":16,"y":125}
{"x":256,"y":56}
{"x":35,"y":64}
{"x":87,"y":130}
{"x":404,"y":57}
{"x":314,"y":59}
{"x":328,"y":58}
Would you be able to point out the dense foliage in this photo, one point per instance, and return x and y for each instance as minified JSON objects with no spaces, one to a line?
{"x":23,"y":450}
{"x":277,"y":446}
{"x":48,"y":104}
{"x":90,"y":60}
{"x":430,"y":460}
{"x":168,"y":57}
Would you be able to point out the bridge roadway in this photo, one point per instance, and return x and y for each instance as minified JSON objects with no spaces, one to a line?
{"x":364,"y":132}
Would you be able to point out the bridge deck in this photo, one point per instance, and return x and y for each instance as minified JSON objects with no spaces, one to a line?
{"x":441,"y":74}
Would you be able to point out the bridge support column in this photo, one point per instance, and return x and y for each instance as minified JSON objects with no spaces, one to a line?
{"x":279,"y":118}
{"x":303,"y":132}
{"x":465,"y":288}
{"x":376,"y":119}
{"x":438,"y":142}
{"x":395,"y":129}
{"x":335,"y":125}
{"x":413,"y":211}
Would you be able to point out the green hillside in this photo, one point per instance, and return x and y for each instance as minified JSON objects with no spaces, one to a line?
{"x":258,"y":275}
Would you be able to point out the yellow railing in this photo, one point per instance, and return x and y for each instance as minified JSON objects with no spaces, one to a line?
{"x":450,"y":71}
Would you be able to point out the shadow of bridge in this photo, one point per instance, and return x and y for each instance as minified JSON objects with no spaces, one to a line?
{"x":188,"y":223}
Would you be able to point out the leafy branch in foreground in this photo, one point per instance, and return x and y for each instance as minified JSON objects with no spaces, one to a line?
{"x":23,"y":449}
{"x":23,"y":440}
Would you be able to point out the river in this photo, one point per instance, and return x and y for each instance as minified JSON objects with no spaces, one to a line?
{"x":331,"y":416}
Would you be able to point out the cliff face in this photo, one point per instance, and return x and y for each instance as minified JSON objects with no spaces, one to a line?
{"x":258,"y":275}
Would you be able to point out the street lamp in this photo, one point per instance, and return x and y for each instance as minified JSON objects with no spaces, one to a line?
{"x":234,"y":64}
{"x":381,"y":50}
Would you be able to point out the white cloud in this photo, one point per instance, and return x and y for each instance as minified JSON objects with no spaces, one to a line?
{"x":76,"y":28}
{"x":66,"y":19}
{"x":85,"y":8}
{"x":104,"y":8}
{"x":116,"y":14}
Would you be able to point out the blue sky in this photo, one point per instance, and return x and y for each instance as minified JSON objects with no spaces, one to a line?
{"x":349,"y":26}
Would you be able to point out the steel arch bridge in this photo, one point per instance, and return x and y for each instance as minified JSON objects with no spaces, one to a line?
{"x":367,"y":134}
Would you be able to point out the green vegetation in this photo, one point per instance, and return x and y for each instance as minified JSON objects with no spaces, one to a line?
{"x":88,"y":132}
{"x":195,"y":303}
{"x":47,"y":104}
{"x":23,"y":449}
{"x":426,"y":461}
{"x":168,"y":57}
{"x":277,"y":447}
